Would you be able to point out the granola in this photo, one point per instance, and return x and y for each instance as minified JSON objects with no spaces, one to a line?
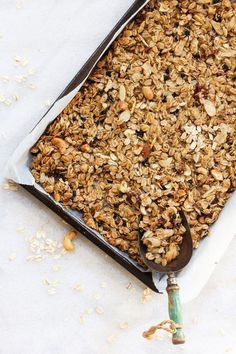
{"x":151,"y":130}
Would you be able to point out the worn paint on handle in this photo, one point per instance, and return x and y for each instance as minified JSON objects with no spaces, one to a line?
{"x":175,"y":312}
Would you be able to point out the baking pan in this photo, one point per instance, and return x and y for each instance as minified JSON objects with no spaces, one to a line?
{"x":121,"y":257}
{"x":212,"y":248}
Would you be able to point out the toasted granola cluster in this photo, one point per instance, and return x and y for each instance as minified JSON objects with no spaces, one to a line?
{"x":152,"y":130}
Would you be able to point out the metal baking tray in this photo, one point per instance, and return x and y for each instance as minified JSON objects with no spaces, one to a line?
{"x":122,"y":258}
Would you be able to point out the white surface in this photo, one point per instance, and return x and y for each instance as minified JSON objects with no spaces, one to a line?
{"x":31,"y":320}
{"x":213,"y":247}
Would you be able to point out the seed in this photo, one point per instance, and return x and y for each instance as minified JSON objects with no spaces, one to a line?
{"x":124,"y":117}
{"x":209,"y":108}
{"x":122,"y":93}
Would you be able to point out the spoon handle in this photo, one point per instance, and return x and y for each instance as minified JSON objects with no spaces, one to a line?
{"x":175,"y":308}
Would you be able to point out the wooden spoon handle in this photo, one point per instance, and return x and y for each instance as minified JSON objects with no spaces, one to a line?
{"x":175,"y":313}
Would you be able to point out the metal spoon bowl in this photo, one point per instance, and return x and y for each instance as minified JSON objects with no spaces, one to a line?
{"x":185,"y":254}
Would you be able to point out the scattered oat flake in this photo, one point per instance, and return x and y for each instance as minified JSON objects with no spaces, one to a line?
{"x":51,"y":284}
{"x":11,"y":185}
{"x":111,"y":338}
{"x":15,"y":97}
{"x":97,"y":296}
{"x":20,"y":78}
{"x":46,"y":282}
{"x":81,"y":319}
{"x":146,"y":296}
{"x":31,"y":86}
{"x":78,"y":287}
{"x":2,"y":98}
{"x":129,"y":285}
{"x":89,"y":311}
{"x":20,"y":61}
{"x":21,"y":229}
{"x":124,"y":325}
{"x":5,"y":79}
{"x":8,"y":102}
{"x":56,"y":267}
{"x":12,"y":257}
{"x":99,"y":310}
{"x":41,"y":247}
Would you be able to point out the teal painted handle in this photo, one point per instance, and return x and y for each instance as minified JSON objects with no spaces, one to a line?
{"x":175,"y":310}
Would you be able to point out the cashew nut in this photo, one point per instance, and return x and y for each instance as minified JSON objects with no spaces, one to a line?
{"x":60,"y":144}
{"x":68,"y":238}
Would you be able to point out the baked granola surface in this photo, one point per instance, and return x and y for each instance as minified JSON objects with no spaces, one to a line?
{"x":152,"y":130}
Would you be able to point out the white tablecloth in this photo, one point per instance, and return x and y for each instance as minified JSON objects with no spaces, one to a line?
{"x":41,"y":49}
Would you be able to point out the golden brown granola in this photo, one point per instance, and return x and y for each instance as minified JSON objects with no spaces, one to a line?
{"x":151,"y":130}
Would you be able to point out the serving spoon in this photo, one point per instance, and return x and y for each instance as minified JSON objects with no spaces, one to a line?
{"x":185,"y":254}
